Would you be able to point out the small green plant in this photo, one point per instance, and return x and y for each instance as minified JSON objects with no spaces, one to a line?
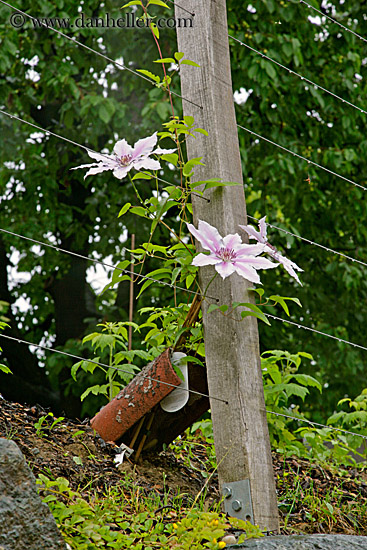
{"x":205,"y":529}
{"x":46,"y":423}
{"x":123,"y":517}
{"x":119,"y":370}
{"x":3,"y":324}
{"x":356,"y":419}
{"x":343,"y":447}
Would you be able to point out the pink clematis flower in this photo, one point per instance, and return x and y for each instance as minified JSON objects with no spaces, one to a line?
{"x":261,"y":237}
{"x":125,"y":157}
{"x":229,"y":254}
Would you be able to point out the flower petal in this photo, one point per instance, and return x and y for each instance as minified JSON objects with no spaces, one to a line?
{"x":122,"y":148}
{"x":207,"y":244}
{"x":248,"y":273}
{"x":97,"y":169}
{"x":146,"y":162}
{"x":121,"y":171}
{"x":205,"y":259}
{"x":210,"y":234}
{"x":85,"y":166}
{"x":292,"y":273}
{"x":232,"y":241}
{"x":160,"y":151}
{"x":144,"y":147}
{"x":250,"y":250}
{"x":252,"y":233}
{"x":262,"y":227}
{"x":225,"y":269}
{"x":257,"y":262}
{"x":101,"y":158}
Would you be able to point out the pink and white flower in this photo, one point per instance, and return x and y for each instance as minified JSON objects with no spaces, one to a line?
{"x":261,"y":237}
{"x":229,"y":254}
{"x":125,"y":157}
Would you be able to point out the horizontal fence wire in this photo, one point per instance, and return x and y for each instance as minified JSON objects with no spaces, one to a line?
{"x":303,"y":78}
{"x":80,"y":44}
{"x":193,"y":192}
{"x":333,"y":20}
{"x":86,"y":148}
{"x":94,"y":260}
{"x":301,"y":157}
{"x":304,"y":327}
{"x":308,"y":241}
{"x":181,"y":7}
{"x":58,"y":249}
{"x":104,"y":365}
{"x":306,"y":421}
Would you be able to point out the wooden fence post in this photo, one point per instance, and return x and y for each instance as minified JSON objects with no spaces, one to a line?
{"x":232,"y":348}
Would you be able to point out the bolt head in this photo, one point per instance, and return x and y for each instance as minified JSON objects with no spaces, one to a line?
{"x":236,"y":505}
{"x":227,"y":492}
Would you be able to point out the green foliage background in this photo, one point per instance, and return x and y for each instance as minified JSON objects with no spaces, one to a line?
{"x":80,"y":98}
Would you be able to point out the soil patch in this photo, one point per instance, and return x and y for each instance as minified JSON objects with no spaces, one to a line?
{"x":312,"y":498}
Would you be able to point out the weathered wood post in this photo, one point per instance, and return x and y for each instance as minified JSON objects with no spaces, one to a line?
{"x":232,"y":348}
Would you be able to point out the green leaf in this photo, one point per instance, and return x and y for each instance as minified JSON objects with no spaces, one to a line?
{"x":139,"y":211}
{"x":211,"y":184}
{"x":157,"y":3}
{"x":74,"y":368}
{"x":143,"y":176}
{"x":255,"y":311}
{"x":170,"y":157}
{"x":201,"y":131}
{"x":178,"y":56}
{"x":149,"y":75}
{"x":260,"y":316}
{"x":188,"y":62}
{"x":157,"y":274}
{"x":165,"y":60}
{"x":281,"y":300}
{"x":178,"y":371}
{"x":124,"y":209}
{"x":132,"y":3}
{"x":260,"y":291}
{"x":105,"y":114}
{"x":189,"y":120}
{"x":155,"y":30}
{"x":269,"y":69}
{"x":95,"y":390}
{"x":307,"y":380}
{"x":5,"y":369}
{"x":189,"y":165}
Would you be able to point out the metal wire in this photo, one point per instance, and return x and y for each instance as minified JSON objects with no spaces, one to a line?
{"x":299,"y":75}
{"x":181,"y":8}
{"x":299,"y":325}
{"x":316,"y":424}
{"x":58,"y":249}
{"x":301,"y":157}
{"x":104,"y":365}
{"x":108,"y":366}
{"x":46,"y":132}
{"x":75,"y":41}
{"x":310,"y":242}
{"x":333,"y":20}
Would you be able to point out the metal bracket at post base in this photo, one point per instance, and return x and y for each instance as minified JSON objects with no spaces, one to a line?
{"x":237,"y":500}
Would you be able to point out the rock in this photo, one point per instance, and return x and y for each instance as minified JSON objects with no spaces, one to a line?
{"x":26,"y":522}
{"x":306,"y":542}
{"x":229,"y":539}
